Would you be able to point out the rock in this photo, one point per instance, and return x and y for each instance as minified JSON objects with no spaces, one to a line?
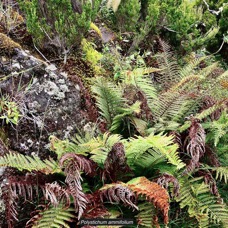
{"x":49,"y":103}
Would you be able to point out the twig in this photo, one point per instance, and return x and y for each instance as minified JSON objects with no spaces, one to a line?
{"x":41,"y":53}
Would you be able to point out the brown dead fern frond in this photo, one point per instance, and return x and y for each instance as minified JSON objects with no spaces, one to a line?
{"x":73,"y":164}
{"x":195,"y":143}
{"x":118,"y":193}
{"x":153,"y":192}
{"x":116,"y":167}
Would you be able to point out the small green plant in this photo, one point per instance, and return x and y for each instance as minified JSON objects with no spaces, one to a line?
{"x":9,"y":111}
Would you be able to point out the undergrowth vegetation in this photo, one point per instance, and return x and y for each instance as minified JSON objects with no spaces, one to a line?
{"x":158,"y":150}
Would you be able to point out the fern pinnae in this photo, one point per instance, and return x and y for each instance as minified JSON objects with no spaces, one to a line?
{"x":30,"y":163}
{"x":108,"y":98}
{"x":52,"y":217}
{"x":171,"y":71}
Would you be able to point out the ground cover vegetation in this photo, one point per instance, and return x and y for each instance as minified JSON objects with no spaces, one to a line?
{"x":155,"y":89}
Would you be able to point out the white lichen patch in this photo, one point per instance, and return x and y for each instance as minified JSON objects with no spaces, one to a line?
{"x":57,"y":92}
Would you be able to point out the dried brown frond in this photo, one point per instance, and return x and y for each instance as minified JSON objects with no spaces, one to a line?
{"x":56,"y":194}
{"x":10,"y":200}
{"x":164,"y":181}
{"x":210,"y":181}
{"x":153,"y":192}
{"x":73,"y":164}
{"x":211,"y":157}
{"x":95,"y":207}
{"x":195,"y":144}
{"x":118,"y":193}
{"x":115,"y":166}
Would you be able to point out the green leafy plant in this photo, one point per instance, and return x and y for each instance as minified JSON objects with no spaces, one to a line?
{"x":9,"y":111}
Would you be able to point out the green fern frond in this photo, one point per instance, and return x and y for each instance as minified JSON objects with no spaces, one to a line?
{"x":141,"y":80}
{"x":221,"y":173}
{"x":99,"y":147}
{"x":108,"y":98}
{"x":55,"y":217}
{"x":196,"y":195}
{"x":170,"y":105}
{"x":204,"y":114}
{"x":162,"y":144}
{"x":125,"y":113}
{"x":146,"y":214}
{"x":189,"y":69}
{"x":218,"y":129}
{"x":146,"y":86}
{"x":30,"y":163}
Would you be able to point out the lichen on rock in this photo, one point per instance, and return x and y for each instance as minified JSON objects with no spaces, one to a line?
{"x":48,"y":101}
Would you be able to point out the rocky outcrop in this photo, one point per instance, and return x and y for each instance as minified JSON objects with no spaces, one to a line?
{"x":48,"y":102}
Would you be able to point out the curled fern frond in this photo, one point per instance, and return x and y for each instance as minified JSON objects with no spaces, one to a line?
{"x":118,"y":193}
{"x":166,"y":179}
{"x":153,"y":192}
{"x":116,"y":167}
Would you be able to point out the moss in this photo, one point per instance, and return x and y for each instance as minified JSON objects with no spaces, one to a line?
{"x":95,"y":28}
{"x":7,"y":45}
{"x":92,"y":56}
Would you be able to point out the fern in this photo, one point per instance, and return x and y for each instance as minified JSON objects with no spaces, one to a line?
{"x":204,"y":114}
{"x":171,"y":72}
{"x":189,"y":69}
{"x":73,"y":164}
{"x":147,"y":215}
{"x":136,"y":148}
{"x":221,"y":173}
{"x":108,"y":98}
{"x":218,"y":128}
{"x":171,"y":106}
{"x":29,"y":163}
{"x":153,"y":193}
{"x":118,"y":192}
{"x":99,"y":147}
{"x":126,"y":113}
{"x":201,"y":204}
{"x":57,"y":217}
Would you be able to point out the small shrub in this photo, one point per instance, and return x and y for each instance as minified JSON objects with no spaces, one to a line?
{"x":55,"y":23}
{"x":128,"y":15}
